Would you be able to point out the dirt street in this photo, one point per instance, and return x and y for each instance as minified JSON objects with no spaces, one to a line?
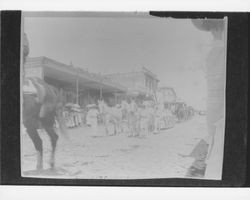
{"x":119,"y":156}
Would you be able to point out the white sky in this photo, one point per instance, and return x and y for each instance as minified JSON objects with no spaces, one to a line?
{"x":171,"y":48}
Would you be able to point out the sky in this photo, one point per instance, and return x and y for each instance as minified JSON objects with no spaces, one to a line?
{"x":173,"y":49}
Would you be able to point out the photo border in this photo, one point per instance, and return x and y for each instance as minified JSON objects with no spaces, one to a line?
{"x":235,"y":148}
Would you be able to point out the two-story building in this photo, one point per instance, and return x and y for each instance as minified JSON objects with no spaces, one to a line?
{"x":141,"y":82}
{"x":166,"y":95}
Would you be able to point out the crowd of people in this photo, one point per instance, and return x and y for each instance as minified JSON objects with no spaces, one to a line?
{"x":74,"y":118}
{"x":128,"y":117}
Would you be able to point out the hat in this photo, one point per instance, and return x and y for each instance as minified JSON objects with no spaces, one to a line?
{"x":208,"y":24}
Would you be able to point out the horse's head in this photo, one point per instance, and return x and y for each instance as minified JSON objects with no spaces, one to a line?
{"x":101,"y":106}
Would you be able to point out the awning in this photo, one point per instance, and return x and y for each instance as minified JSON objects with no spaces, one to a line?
{"x":68,"y":74}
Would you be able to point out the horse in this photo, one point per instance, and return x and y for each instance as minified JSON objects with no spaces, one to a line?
{"x":111,"y":115}
{"x":40,"y":109}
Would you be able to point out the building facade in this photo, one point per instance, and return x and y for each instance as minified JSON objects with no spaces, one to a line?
{"x":166,"y":95}
{"x":79,"y":86}
{"x":142,"y":82}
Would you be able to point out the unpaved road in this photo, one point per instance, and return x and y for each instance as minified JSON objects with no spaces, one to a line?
{"x":118,"y":157}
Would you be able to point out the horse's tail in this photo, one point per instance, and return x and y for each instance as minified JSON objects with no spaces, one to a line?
{"x":59,"y":116}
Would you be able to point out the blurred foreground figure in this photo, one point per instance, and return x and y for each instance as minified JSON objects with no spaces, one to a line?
{"x":208,"y":153}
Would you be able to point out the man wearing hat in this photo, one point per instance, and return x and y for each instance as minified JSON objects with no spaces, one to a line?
{"x":216,"y":77}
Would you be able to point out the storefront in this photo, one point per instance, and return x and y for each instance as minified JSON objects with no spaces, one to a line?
{"x":80,"y":86}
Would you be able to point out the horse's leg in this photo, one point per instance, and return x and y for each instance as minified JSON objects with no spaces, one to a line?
{"x":33,"y":134}
{"x":53,"y":138}
{"x":137,"y":128}
{"x":116,"y":126}
{"x":129,"y":127}
{"x":48,"y":125}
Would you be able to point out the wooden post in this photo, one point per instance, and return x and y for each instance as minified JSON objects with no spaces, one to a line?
{"x":77,"y":90}
{"x":100,"y":92}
